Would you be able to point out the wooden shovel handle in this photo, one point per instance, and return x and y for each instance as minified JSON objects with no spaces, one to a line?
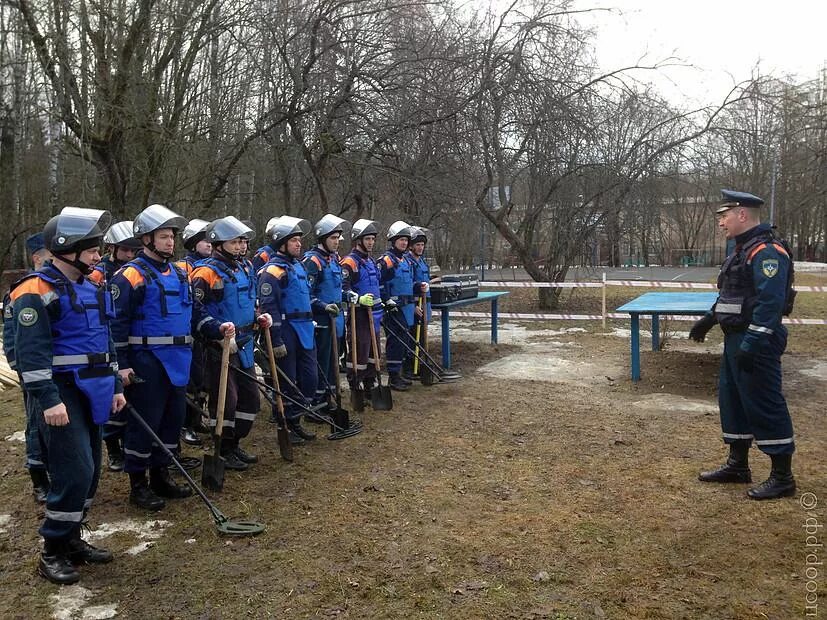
{"x":353,"y":356}
{"x":334,"y":350}
{"x":268,"y":340}
{"x":222,"y":386}
{"x":373,"y":345}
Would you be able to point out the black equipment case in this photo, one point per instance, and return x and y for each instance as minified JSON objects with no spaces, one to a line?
{"x":454,"y":287}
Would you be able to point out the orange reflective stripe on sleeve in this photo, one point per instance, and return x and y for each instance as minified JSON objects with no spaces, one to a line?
{"x":96,"y":276}
{"x":276,"y":271}
{"x":318,"y":262}
{"x":32,"y":286}
{"x":208,"y":275}
{"x":348,"y":262}
{"x":761,"y":246}
{"x":133,"y":276}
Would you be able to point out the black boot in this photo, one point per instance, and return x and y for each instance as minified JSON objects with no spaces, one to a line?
{"x":40,"y":484}
{"x":189,"y":437}
{"x":141,"y":495}
{"x":54,"y":563}
{"x":115,"y":453}
{"x":81,"y":552}
{"x":245,"y":456}
{"x":780,"y":483}
{"x":294,"y":439}
{"x":296,"y":427}
{"x":231,"y":459}
{"x":163,"y":485}
{"x":736,"y":468}
{"x":398,"y":383}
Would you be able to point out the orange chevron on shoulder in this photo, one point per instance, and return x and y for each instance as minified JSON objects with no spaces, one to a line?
{"x":32,"y":286}
{"x":208,"y":275}
{"x":133,"y":276}
{"x":97,"y":277}
{"x":350,"y":263}
{"x":275,"y":271}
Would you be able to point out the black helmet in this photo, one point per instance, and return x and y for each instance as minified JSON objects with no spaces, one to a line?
{"x":363,"y":228}
{"x":328,"y":225}
{"x":194,"y":232}
{"x":121,"y":235}
{"x":285,"y":227}
{"x":419,"y":233}
{"x":227,"y":229}
{"x":399,"y":229}
{"x":75,"y":229}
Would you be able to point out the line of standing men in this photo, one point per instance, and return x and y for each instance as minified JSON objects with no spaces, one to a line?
{"x":88,"y":335}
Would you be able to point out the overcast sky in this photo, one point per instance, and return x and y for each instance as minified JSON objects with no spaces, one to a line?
{"x":724,"y":39}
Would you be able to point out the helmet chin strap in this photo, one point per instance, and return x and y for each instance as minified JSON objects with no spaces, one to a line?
{"x":226,"y":254}
{"x":151,"y":247}
{"x":76,"y":263}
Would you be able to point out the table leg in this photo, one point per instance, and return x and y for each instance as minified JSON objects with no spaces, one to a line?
{"x":494,"y":312}
{"x":655,"y":332}
{"x":635,"y":340}
{"x":446,"y":338}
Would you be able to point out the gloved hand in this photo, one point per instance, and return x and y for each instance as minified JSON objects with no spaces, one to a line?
{"x":391,"y":306}
{"x":233,"y":345}
{"x":745,"y":360}
{"x":366,"y":300}
{"x":265,"y":321}
{"x":280,"y":351}
{"x":351,"y":297}
{"x":424,"y":287}
{"x":332,"y":309}
{"x":701,"y":328}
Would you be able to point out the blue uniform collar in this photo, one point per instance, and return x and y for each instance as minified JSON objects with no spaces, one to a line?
{"x":286,"y":258}
{"x":396,"y":253}
{"x":745,"y":236}
{"x":159,"y":265}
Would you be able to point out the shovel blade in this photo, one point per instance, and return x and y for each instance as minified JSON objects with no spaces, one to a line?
{"x":212,"y":472}
{"x":357,"y":400}
{"x":285,"y":447}
{"x":381,"y":398}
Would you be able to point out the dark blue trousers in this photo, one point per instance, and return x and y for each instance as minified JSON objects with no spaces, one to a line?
{"x":328,"y":368}
{"x":161,"y":404}
{"x":396,"y":331}
{"x":300,"y":365}
{"x":751,"y":403}
{"x":73,"y":454}
{"x":35,"y":458}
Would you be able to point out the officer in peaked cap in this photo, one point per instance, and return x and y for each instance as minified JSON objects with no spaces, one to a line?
{"x":754,"y":291}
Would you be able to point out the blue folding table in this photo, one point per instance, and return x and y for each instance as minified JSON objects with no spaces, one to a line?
{"x":656,"y":304}
{"x":445,"y":310}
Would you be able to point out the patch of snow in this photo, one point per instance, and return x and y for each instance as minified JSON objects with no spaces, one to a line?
{"x":17,"y":436}
{"x":4,"y":521}
{"x":539,"y":365}
{"x":672,"y":402}
{"x":819,"y":370}
{"x":70,"y":602}
{"x":804,"y":266}
{"x":146,"y":532}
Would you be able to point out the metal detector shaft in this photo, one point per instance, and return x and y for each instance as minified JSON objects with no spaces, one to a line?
{"x":435,"y":367}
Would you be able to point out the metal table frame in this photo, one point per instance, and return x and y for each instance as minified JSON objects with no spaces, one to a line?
{"x":445,"y":311}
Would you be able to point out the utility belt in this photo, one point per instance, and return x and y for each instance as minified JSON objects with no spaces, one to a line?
{"x":404,"y":300}
{"x":296,"y":315}
{"x":68,"y":377}
{"x":160,"y":340}
{"x":90,"y":359}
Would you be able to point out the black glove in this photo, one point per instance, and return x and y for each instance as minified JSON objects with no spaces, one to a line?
{"x":701,"y":328}
{"x":745,"y":360}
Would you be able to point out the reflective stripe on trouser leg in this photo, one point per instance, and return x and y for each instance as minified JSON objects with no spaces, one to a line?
{"x":162,"y":405}
{"x":213,"y":374}
{"x":364,"y":356}
{"x":395,"y":329}
{"x":248,"y":402}
{"x":72,"y":459}
{"x":115,"y":427}
{"x":760,"y":392}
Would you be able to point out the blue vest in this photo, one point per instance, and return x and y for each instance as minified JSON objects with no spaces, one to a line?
{"x":400,"y":287}
{"x":162,"y":324}
{"x":80,"y":339}
{"x":328,"y":287}
{"x":368,"y":283}
{"x":421,"y":273}
{"x":295,"y":300}
{"x":238,"y":305}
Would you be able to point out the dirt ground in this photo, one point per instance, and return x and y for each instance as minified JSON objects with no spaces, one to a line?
{"x":569,"y":493}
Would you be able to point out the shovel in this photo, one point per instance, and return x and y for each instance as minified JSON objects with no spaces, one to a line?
{"x":357,"y":396}
{"x":340,"y":416}
{"x":426,"y":375}
{"x":285,"y":447}
{"x":212,"y":471}
{"x":230,"y":527}
{"x":380,"y":396}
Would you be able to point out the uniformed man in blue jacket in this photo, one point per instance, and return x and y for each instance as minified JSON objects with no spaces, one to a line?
{"x":285,"y":295}
{"x":754,"y":291}
{"x":66,"y":359}
{"x":397,"y":286}
{"x":360,"y":287}
{"x":421,"y":273}
{"x":324,"y":277}
{"x":152,"y":331}
{"x":38,"y":255}
{"x":225,"y":287}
